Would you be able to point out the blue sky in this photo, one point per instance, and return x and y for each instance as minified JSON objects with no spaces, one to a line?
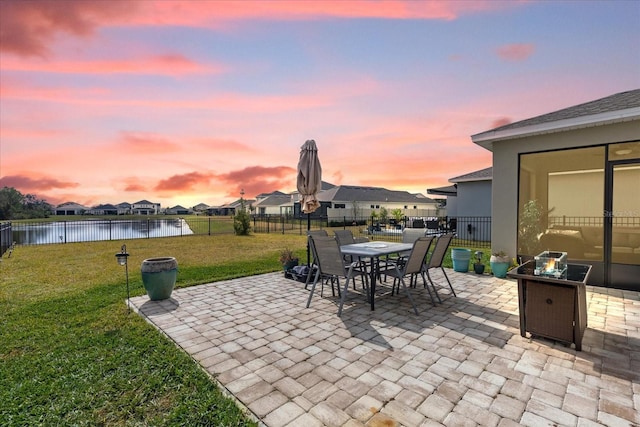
{"x":182,"y":102}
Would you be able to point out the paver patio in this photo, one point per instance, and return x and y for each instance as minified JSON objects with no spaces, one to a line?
{"x":460,"y":363}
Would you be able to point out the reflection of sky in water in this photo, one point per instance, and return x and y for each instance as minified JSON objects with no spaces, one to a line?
{"x":90,"y":231}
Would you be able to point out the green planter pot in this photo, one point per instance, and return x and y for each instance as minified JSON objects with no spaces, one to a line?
{"x":159,"y":277}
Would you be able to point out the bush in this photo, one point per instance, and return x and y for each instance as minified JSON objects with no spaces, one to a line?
{"x":242,"y":221}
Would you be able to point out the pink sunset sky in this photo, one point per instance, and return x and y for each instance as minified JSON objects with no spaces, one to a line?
{"x":183,"y":102}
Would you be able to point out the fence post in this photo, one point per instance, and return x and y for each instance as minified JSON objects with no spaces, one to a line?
{"x":65,"y":231}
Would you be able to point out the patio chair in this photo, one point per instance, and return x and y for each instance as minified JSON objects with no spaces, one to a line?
{"x":411,"y":268}
{"x":345,"y":237}
{"x":331,"y":265}
{"x":313,"y":266}
{"x":435,"y":261}
{"x":409,"y":235}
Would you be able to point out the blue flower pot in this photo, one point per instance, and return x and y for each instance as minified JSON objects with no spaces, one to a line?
{"x":499,"y":269}
{"x":460,"y":258}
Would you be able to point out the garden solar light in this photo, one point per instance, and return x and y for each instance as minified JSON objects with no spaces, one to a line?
{"x":121,"y":257}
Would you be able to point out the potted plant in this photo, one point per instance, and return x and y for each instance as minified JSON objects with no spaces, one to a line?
{"x":159,"y":276}
{"x":478,"y":266}
{"x":288,"y":259}
{"x":530,"y":228}
{"x":500,"y":263}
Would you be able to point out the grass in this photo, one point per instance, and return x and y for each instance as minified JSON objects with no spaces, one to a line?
{"x":71,"y":355}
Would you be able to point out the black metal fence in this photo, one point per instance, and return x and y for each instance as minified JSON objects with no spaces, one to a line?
{"x":35,"y":233}
{"x":470,"y":231}
{"x":6,"y":237}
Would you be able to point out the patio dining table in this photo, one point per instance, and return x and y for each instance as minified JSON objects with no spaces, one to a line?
{"x":373,"y":251}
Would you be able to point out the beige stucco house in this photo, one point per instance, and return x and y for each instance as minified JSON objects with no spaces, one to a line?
{"x":570,"y":180}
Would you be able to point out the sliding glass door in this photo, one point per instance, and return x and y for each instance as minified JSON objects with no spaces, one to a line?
{"x":585,"y":202}
{"x":622,"y":216}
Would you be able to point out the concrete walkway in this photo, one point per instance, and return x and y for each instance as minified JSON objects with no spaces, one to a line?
{"x":460,"y":363}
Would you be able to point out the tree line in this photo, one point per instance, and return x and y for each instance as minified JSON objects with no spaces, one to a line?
{"x":15,"y":205}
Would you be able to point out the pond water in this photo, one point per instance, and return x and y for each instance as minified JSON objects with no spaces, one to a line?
{"x":90,"y":231}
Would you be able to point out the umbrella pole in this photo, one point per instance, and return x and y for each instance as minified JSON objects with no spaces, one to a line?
{"x":308,"y":228}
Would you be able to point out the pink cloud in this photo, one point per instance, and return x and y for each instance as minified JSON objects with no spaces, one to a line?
{"x":257,"y":179}
{"x":169,"y":64}
{"x":184,"y":182}
{"x":516,"y":51}
{"x":135,"y":188}
{"x":29,"y":184}
{"x":502,"y":121}
{"x":141,"y":143}
{"x":28,"y":27}
{"x":183,"y":13}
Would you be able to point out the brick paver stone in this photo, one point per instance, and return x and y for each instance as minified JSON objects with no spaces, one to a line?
{"x":462,"y":362}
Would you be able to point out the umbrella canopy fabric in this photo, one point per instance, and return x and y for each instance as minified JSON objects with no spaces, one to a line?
{"x":309,"y":176}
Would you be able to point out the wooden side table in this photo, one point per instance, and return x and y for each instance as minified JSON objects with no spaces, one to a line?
{"x":551,"y":307}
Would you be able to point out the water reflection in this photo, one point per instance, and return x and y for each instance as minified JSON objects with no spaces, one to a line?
{"x":90,"y":231}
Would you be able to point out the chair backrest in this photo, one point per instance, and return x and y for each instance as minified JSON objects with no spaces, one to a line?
{"x":316,"y":233}
{"x":433,"y":224}
{"x":410,"y":235}
{"x":328,"y":256}
{"x":439,"y":251}
{"x":418,"y":254}
{"x":344,"y":237}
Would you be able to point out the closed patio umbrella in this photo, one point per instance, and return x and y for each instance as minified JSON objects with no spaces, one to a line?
{"x":309,"y":177}
{"x":309,"y":181}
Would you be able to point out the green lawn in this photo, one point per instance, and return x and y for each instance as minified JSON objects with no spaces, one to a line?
{"x":70,"y":354}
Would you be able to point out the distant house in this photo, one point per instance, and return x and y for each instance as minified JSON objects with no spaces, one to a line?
{"x":473,"y":194}
{"x":178,"y":210}
{"x":124,"y":208}
{"x":276,"y":203}
{"x":568,"y":181}
{"x":145,"y":207}
{"x":469,"y":201}
{"x":106,"y":209}
{"x":70,"y":208}
{"x":200,"y":208}
{"x":351,"y":201}
{"x":229,"y":209}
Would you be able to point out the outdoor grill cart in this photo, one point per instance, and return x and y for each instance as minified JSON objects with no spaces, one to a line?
{"x":552,"y":301}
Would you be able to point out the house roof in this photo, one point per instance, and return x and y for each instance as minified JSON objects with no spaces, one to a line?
{"x":352,"y":193}
{"x":326,"y":185}
{"x":449,"y":190}
{"x":263,"y":195}
{"x":275,"y":199}
{"x":71,"y":205}
{"x":105,"y":207}
{"x":144,"y":202}
{"x":485,"y":174}
{"x":620,"y":107}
